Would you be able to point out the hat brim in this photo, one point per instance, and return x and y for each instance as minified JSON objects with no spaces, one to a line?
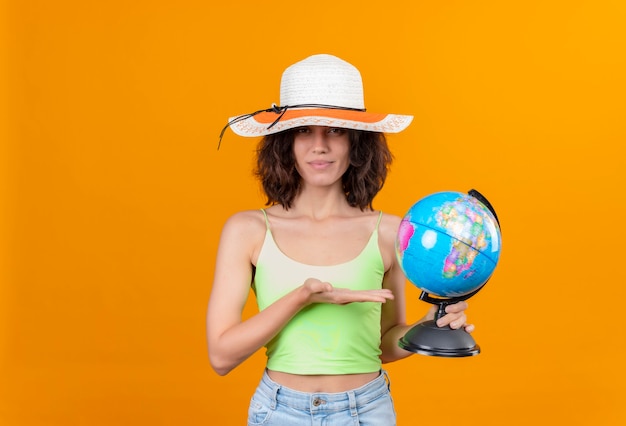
{"x":258,"y":124}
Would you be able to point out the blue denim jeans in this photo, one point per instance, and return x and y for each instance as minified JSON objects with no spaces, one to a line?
{"x":276,"y":405}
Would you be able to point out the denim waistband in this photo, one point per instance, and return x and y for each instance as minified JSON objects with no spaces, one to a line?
{"x":322,"y":401}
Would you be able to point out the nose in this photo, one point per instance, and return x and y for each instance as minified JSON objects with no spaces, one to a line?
{"x":320,"y":142}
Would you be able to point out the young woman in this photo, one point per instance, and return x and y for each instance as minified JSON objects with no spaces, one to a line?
{"x":320,"y":259}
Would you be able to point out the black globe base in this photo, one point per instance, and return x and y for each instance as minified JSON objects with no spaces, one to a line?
{"x":427,"y":338}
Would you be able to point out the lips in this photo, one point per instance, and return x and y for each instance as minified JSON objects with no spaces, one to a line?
{"x":320,"y":164}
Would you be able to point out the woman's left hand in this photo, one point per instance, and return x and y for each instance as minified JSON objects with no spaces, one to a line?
{"x":454,"y":317}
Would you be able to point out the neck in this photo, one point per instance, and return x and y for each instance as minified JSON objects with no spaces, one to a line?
{"x":320,"y":202}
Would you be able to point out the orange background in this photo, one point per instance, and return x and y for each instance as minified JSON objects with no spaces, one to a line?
{"x":113,"y":194}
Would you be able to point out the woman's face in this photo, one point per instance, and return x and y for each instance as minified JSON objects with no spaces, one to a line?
{"x":322,"y":154}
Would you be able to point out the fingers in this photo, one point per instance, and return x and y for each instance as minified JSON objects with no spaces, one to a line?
{"x":456,"y":307}
{"x":342,"y":296}
{"x":348,"y":296}
{"x":324,"y":292}
{"x":453,"y":320}
{"x":455,"y":317}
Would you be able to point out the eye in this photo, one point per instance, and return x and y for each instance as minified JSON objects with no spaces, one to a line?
{"x":303,"y":129}
{"x":336,"y":130}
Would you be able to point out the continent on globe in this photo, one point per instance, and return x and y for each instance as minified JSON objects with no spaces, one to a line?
{"x":448,"y":244}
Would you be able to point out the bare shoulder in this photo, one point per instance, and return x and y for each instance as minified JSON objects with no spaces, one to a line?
{"x":246,"y":227}
{"x":388,"y":228}
{"x":249,"y":219}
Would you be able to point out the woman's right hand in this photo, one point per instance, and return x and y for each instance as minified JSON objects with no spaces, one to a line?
{"x":324,"y":292}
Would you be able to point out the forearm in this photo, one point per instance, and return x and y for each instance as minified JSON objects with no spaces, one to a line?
{"x":239,"y":342}
{"x":391,"y":351}
{"x":389,"y":344}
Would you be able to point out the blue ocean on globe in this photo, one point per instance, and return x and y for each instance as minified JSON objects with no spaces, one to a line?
{"x":448,"y":244}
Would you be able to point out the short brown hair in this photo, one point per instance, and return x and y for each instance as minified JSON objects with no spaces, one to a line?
{"x":370,"y":159}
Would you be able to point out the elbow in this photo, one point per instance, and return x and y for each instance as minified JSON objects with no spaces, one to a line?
{"x":221,"y":371}
{"x":220,"y":365}
{"x":386,"y":359}
{"x":390,"y":359}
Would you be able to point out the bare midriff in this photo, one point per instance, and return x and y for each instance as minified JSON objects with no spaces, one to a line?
{"x":322,"y":383}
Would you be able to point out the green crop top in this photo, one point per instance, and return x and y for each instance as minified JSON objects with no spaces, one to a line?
{"x":323,"y":338}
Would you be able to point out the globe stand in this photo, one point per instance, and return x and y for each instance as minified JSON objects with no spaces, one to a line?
{"x":426,"y":338}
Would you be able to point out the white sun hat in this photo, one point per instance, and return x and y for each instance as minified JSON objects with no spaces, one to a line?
{"x":321,"y":90}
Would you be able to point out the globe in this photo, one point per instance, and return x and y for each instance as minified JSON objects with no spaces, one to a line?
{"x":449,"y":243}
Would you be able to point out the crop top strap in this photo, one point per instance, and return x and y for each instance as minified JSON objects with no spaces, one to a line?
{"x":380,"y":217}
{"x":267,"y":222}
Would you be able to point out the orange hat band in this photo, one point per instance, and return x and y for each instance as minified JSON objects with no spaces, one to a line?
{"x":345,"y":114}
